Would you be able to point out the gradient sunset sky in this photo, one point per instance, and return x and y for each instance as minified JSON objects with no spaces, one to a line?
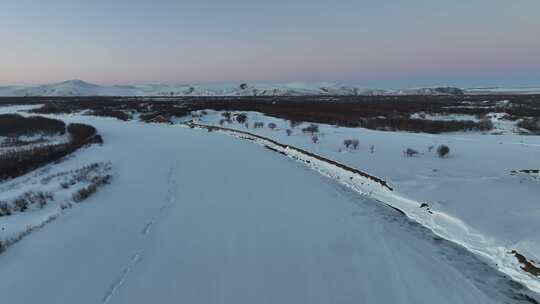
{"x":383,"y":43}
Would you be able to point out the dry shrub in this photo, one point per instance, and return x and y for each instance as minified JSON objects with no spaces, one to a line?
{"x":81,"y":133}
{"x":87,"y":191}
{"x":241,"y":118}
{"x":18,"y":162}
{"x":110,"y":113}
{"x":410,"y":152}
{"x":531,"y":124}
{"x":312,"y":128}
{"x":28,"y":199}
{"x":443,"y":150}
{"x":16,"y":125}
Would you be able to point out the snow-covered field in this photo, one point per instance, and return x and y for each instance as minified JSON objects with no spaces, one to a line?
{"x":488,"y":206}
{"x":199,"y":217}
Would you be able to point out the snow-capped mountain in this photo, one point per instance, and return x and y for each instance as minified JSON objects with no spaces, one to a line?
{"x":82,"y":88}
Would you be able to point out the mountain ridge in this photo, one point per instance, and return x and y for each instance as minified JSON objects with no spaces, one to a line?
{"x":77,"y":87}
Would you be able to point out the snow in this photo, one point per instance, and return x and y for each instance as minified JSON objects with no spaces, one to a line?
{"x":198,"y":217}
{"x":504,"y":126}
{"x":474,"y":198}
{"x":78,"y":87}
{"x":504,"y":90}
{"x":81,"y":88}
{"x":20,"y":109}
{"x":56,"y":183}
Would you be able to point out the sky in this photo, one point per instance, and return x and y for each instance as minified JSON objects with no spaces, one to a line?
{"x":375,"y":43}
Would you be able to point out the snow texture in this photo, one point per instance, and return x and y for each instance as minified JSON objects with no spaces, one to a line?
{"x":468,"y":193}
{"x":198,"y":217}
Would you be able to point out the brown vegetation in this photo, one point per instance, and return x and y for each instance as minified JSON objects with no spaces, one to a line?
{"x":373,"y":112}
{"x":16,"y":125}
{"x":20,"y":161}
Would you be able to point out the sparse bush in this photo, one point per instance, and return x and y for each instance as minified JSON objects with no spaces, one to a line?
{"x":351,"y":142}
{"x":272,"y":126}
{"x":40,"y":199}
{"x":443,"y":150}
{"x":294,"y":123}
{"x":289,"y":132}
{"x":410,"y":152}
{"x":227,"y":115}
{"x":5,"y":209}
{"x":110,"y":113}
{"x":312,"y":128}
{"x":21,"y":204}
{"x":87,"y":191}
{"x":241,"y":118}
{"x":83,"y":193}
{"x":314,"y":139}
{"x":531,"y":124}
{"x":485,"y":124}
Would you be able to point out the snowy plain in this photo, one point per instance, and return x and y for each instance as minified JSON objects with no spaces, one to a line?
{"x":200,"y":217}
{"x":473,"y":190}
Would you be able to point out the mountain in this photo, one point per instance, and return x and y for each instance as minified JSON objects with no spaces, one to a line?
{"x":67,"y":88}
{"x":81,"y":88}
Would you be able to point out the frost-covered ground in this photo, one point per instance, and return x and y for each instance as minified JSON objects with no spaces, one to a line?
{"x":28,"y":202}
{"x":199,"y":217}
{"x":474,"y":185}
